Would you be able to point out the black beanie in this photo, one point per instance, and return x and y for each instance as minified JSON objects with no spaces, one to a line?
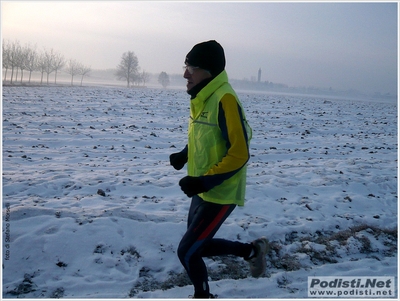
{"x":207,"y":55}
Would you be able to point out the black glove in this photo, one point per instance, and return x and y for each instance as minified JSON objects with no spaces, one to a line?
{"x":178,"y":160}
{"x":192,"y":186}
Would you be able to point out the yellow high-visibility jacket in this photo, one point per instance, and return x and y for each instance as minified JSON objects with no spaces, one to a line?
{"x":218,"y":142}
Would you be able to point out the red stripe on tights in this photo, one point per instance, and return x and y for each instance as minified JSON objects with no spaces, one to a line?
{"x":215,"y":222}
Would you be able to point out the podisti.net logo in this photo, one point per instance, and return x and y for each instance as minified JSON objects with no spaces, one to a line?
{"x":351,"y":287}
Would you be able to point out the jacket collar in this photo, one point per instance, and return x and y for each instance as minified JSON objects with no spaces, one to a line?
{"x":198,"y":103}
{"x":212,"y":86}
{"x":196,"y":89}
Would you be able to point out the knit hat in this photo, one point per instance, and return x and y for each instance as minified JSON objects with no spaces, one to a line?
{"x":208,"y":56}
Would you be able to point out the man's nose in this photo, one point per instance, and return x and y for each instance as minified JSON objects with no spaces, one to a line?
{"x":186,"y":74}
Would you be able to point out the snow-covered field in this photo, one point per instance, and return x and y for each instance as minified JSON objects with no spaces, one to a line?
{"x":92,"y":208}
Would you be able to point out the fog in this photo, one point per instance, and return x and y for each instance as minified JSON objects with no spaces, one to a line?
{"x":339,"y":45}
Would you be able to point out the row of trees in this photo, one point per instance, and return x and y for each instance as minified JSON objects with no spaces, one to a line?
{"x":17,"y":59}
{"x":128,"y":70}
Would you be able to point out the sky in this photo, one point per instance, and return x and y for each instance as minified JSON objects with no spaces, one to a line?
{"x":322,"y":44}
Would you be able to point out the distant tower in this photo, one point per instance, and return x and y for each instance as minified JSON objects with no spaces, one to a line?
{"x":259,"y":75}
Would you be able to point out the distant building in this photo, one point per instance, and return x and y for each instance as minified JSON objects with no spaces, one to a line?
{"x":259,"y":75}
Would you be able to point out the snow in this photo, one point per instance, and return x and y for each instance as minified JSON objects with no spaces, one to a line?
{"x":322,"y":187}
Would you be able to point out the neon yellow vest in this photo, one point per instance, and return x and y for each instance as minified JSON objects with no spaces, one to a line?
{"x":206,"y":146}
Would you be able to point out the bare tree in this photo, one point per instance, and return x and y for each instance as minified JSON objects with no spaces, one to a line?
{"x":31,"y":60}
{"x":73,"y":68}
{"x":41,"y":67}
{"x":58,"y":64}
{"x":18,"y":60}
{"x":14,"y":58}
{"x":128,"y":68}
{"x":83,"y":70}
{"x":24,"y":59}
{"x":144,"y":77}
{"x":6,"y":60}
{"x":49,"y":58}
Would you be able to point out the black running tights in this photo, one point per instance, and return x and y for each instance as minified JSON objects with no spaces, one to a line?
{"x":204,"y":220}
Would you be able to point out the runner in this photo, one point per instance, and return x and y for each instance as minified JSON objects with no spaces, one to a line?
{"x":216,"y":154}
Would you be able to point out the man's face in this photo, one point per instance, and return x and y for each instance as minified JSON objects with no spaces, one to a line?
{"x":195,"y":75}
